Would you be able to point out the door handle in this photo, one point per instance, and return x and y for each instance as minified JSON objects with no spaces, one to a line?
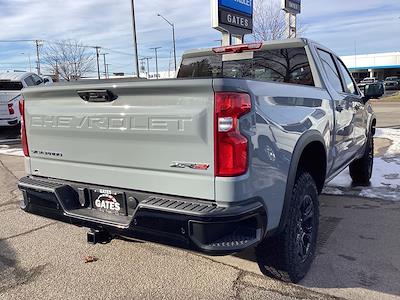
{"x":339,"y":108}
{"x":97,"y":95}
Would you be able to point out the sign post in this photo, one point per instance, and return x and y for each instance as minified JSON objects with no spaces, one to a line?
{"x":234,"y":18}
{"x":292,"y":9}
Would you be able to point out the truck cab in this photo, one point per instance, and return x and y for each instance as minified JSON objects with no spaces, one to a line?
{"x":11,"y":85}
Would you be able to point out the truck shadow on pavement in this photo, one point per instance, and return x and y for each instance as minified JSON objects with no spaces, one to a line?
{"x":356,"y":247}
{"x":12,"y":274}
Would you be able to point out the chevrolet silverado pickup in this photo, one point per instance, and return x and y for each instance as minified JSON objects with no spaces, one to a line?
{"x":231,"y":154}
{"x":11,"y":84}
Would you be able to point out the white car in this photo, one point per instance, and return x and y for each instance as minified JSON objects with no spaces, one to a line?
{"x":11,"y":84}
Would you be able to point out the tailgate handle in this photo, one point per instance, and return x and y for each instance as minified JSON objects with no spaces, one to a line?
{"x":97,"y":95}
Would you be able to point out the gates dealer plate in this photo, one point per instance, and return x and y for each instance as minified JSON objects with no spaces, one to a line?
{"x":108,"y":201}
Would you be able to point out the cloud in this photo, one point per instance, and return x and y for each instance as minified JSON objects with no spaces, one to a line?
{"x":373,"y":24}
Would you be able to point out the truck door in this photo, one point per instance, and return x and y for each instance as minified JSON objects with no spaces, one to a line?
{"x":360,"y":118}
{"x":343,"y":137}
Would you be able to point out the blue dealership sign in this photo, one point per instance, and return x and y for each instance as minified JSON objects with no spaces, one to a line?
{"x":292,"y":6}
{"x":241,"y":6}
{"x":234,"y":17}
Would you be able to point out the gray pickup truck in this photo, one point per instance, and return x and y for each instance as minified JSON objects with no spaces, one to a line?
{"x":230,"y":155}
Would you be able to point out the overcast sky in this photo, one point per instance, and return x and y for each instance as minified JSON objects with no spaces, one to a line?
{"x":346,"y":26}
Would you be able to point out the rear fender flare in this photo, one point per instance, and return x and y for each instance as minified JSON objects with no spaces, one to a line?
{"x":302,"y":143}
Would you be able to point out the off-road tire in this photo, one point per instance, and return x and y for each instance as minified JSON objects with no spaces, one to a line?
{"x":361,"y":169}
{"x":279,"y":256}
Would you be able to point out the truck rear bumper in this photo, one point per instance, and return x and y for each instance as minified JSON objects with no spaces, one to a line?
{"x":188,"y":223}
{"x":9,"y":121}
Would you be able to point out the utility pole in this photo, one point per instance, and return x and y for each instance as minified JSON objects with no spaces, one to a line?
{"x":38,"y":44}
{"x":147,"y":64}
{"x":155,"y":52}
{"x":135,"y":38}
{"x":57,"y":74}
{"x":105,"y":64}
{"x":142,"y":67}
{"x":108,"y":75}
{"x":75,"y":71}
{"x":173,"y":37}
{"x":29,"y":58}
{"x":97,"y":58}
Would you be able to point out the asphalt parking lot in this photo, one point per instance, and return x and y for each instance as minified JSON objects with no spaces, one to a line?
{"x":358,"y":254}
{"x":358,"y":257}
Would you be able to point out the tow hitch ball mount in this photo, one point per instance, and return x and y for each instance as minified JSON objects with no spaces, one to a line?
{"x":95,"y":236}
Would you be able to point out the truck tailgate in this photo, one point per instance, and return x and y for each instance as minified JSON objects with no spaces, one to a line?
{"x":132,"y":142}
{"x":5,"y":97}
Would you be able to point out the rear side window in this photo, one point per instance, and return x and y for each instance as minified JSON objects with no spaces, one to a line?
{"x":350,"y":87}
{"x":37,"y":80}
{"x":284,"y":65}
{"x":10,"y":85}
{"x":201,"y":67}
{"x":331,"y":70}
{"x":280,"y":65}
{"x":30,"y":81}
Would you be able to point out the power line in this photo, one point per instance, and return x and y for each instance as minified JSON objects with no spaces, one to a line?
{"x":16,"y":41}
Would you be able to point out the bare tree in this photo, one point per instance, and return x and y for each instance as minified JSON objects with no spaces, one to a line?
{"x":269,"y":21}
{"x":68,"y":59}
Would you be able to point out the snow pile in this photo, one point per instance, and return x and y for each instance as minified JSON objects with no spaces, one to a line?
{"x":11,"y":150}
{"x":385,"y":181}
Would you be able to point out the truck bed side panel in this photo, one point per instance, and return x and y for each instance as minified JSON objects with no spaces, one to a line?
{"x":282,"y":114}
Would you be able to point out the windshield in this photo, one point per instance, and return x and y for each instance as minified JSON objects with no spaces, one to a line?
{"x":391,"y":78}
{"x":10,"y":85}
{"x":289,"y":65}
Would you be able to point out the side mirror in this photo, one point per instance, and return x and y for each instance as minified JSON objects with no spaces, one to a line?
{"x":372,"y":91}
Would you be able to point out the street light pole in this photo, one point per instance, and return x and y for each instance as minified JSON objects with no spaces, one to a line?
{"x":135,"y":38}
{"x":155,"y":52}
{"x":173,"y":37}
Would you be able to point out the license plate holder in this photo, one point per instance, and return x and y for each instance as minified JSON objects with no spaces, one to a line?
{"x":108,"y":201}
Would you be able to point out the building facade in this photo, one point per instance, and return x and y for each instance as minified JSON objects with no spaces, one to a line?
{"x":379,"y":65}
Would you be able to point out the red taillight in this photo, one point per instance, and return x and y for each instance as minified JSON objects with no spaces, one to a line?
{"x":231,"y":147}
{"x":24,"y":140}
{"x":237,"y":48}
{"x":11,"y":109}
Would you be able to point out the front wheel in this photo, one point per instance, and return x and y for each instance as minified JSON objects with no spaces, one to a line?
{"x":361,"y":169}
{"x":289,"y":255}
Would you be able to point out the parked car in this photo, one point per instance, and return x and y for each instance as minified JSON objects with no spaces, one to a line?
{"x":373,"y":83}
{"x":11,"y":84}
{"x":392,"y":83}
{"x":230,"y":155}
{"x":369,"y":80}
